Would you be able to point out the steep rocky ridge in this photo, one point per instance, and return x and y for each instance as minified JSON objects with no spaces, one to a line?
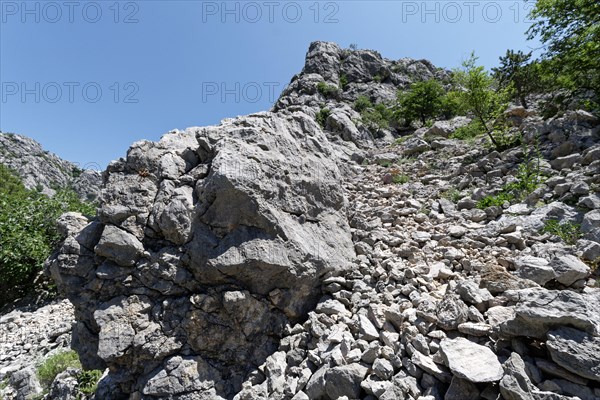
{"x":257,"y":259}
{"x":40,"y":169}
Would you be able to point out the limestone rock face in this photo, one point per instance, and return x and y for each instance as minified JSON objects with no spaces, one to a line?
{"x":40,"y":169}
{"x":208,"y":242}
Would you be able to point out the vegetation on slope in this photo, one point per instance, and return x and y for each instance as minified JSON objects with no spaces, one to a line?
{"x":28,"y":230}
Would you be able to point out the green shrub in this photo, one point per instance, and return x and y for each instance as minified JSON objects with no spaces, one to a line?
{"x":28,"y":230}
{"x":497,"y":200}
{"x":528,"y":179}
{"x":422,"y":101}
{"x":362,"y":103}
{"x":329,"y":91}
{"x":451,"y":105}
{"x":343,"y":81}
{"x":88,"y":381}
{"x":377,"y":117}
{"x":469,"y":131}
{"x":453,"y":195}
{"x":507,"y":139}
{"x":60,"y":362}
{"x":400,"y":179}
{"x":56,"y":364}
{"x":322,"y":116}
{"x":567,"y":231}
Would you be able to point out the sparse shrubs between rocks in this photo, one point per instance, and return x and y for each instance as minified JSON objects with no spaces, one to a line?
{"x":400,"y":179}
{"x":453,"y":195}
{"x":567,"y":231}
{"x":329,"y":91}
{"x":374,"y":116}
{"x":528,"y":178}
{"x":54,"y":365}
{"x":343,"y":81}
{"x":384,"y":163}
{"x":467,"y":132}
{"x":50,"y":368}
{"x":322,"y":116}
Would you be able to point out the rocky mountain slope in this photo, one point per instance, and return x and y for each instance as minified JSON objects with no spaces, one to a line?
{"x":44,"y":171}
{"x":271,"y":258}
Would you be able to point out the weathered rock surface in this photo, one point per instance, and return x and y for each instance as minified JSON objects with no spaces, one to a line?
{"x":575,"y":351}
{"x":195,"y":280}
{"x":219,"y":229}
{"x":470,"y":361}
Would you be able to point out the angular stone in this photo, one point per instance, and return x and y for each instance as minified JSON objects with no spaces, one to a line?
{"x":576,"y":351}
{"x":345,"y":381}
{"x":538,"y":310}
{"x":451,"y":312}
{"x":119,"y":246}
{"x":535,"y":269}
{"x":366,"y":328}
{"x":470,"y":361}
{"x":461,"y":389}
{"x":569,"y":269}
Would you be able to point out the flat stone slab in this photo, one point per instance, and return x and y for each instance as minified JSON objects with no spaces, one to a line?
{"x":575,"y":351}
{"x":471,"y":361}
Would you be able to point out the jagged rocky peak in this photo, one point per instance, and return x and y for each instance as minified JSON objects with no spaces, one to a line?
{"x":44,"y":171}
{"x":355,"y":73}
{"x":209,"y":242}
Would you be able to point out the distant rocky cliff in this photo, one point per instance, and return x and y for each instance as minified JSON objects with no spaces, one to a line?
{"x":44,"y":171}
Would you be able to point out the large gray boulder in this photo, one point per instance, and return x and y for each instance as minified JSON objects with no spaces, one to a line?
{"x":536,"y":311}
{"x":208,"y":243}
{"x":575,"y":351}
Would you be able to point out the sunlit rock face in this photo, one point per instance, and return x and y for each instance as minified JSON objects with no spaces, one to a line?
{"x":207,"y":244}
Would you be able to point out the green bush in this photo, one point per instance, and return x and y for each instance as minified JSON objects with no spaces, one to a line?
{"x":322,"y":116}
{"x":497,"y":200}
{"x":377,"y":117}
{"x":329,"y":91}
{"x":362,"y":103}
{"x":567,"y":231}
{"x":60,"y":362}
{"x":452,"y":105}
{"x":28,"y":230}
{"x":343,"y":81}
{"x":528,"y":179}
{"x":422,"y":101}
{"x":88,"y":381}
{"x":453,"y":195}
{"x":469,"y":131}
{"x":56,"y":364}
{"x":400,"y":179}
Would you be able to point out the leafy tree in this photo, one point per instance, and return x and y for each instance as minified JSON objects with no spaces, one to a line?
{"x":517,"y":74}
{"x":28,"y":230}
{"x":570,"y":30}
{"x":452,"y":105}
{"x":422,"y":101}
{"x":479,"y":95}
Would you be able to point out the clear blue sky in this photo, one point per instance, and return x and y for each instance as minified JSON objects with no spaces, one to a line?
{"x":163,"y":64}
